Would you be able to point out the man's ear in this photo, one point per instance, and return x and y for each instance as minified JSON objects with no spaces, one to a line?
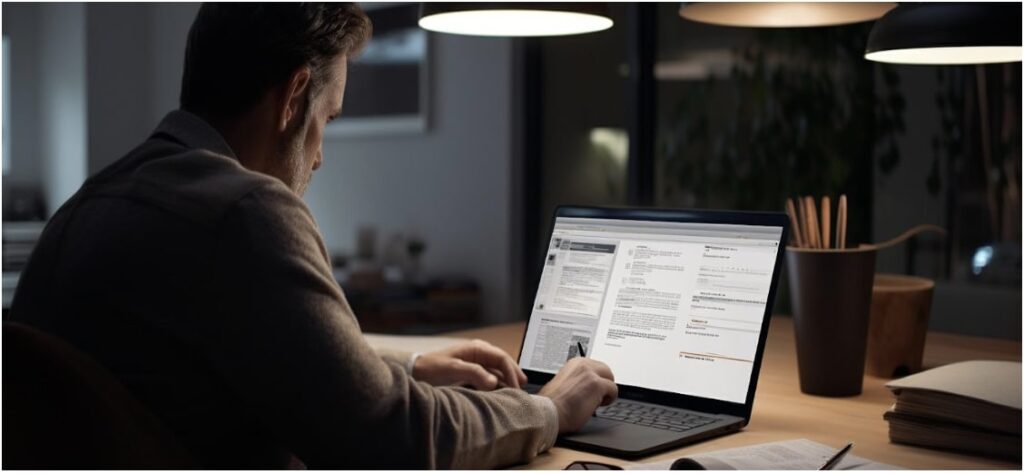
{"x":294,"y":97}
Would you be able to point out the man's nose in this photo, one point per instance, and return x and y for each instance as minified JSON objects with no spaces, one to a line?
{"x":319,"y":161}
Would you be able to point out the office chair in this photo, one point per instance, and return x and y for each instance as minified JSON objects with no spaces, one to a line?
{"x":62,"y":410}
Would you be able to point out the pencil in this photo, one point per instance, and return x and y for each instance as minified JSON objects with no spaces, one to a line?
{"x":805,"y":221}
{"x":841,"y":229}
{"x":826,"y":221}
{"x":793,"y":223}
{"x":812,"y":221}
{"x":802,"y":221}
{"x":836,"y":459}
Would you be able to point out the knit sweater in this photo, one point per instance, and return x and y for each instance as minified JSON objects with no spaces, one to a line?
{"x":206,"y":289}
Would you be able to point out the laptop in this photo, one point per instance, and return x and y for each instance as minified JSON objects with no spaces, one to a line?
{"x":676,"y":302}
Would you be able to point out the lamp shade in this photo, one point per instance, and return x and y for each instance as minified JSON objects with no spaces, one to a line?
{"x":783,"y":14}
{"x":947,"y":33}
{"x":515,"y":18}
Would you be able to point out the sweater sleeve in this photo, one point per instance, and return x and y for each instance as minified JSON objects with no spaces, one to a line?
{"x":284,"y":339}
{"x":404,"y":358}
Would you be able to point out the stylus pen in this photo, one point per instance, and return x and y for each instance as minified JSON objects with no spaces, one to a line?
{"x":583,"y":353}
{"x":831,"y":463}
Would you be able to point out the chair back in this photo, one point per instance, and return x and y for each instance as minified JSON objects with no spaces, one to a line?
{"x":62,"y":410}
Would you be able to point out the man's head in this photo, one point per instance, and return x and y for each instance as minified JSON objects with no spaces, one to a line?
{"x":270,"y":77}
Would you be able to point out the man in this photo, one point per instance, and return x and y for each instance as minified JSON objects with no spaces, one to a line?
{"x":194,"y":272}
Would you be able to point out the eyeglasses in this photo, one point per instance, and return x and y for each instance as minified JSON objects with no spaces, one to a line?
{"x":591,"y":466}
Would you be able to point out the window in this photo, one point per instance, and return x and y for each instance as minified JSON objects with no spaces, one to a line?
{"x":745,"y":117}
{"x":7,"y":107}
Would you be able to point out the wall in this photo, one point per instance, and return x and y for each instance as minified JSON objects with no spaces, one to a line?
{"x":136,"y":59}
{"x":48,"y":129}
{"x":168,"y":29}
{"x":119,"y":80}
{"x":62,"y":100}
{"x":19,"y":25}
{"x":82,"y":80}
{"x":450,"y":185}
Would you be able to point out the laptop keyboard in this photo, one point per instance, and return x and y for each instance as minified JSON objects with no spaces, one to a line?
{"x":654,"y":416}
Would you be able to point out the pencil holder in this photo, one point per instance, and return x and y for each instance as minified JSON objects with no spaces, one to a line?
{"x":831,"y":296}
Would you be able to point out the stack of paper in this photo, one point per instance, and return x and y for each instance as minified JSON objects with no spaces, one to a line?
{"x":972,"y":406}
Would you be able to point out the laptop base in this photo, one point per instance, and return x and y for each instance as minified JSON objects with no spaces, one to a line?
{"x":626,"y":440}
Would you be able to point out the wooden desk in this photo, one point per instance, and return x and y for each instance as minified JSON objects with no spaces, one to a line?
{"x":782,"y":412}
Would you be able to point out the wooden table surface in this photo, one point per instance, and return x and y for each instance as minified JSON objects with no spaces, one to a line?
{"x":782,"y":412}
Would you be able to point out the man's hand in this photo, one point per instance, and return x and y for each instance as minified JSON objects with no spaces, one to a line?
{"x":476,"y":363}
{"x":578,"y":389}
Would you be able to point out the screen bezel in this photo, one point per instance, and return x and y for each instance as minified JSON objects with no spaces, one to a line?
{"x":707,"y":405}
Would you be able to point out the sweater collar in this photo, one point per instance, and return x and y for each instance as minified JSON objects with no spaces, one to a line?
{"x":194,"y":132}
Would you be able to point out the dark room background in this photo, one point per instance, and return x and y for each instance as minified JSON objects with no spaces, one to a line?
{"x":655,"y":111}
{"x":745,"y":117}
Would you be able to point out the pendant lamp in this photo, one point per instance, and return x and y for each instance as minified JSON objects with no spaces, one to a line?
{"x":514,"y":18}
{"x":947,"y":33}
{"x":783,"y":14}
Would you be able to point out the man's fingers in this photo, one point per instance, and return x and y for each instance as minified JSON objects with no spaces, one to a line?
{"x":512,"y":373}
{"x":492,"y":357}
{"x":476,"y":375}
{"x":602,"y":369}
{"x":611,"y":391}
{"x":497,"y":373}
{"x":508,"y":370}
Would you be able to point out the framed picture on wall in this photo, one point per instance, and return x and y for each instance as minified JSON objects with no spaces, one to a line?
{"x":387,"y":88}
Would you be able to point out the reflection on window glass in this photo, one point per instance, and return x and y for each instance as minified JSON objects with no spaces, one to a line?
{"x":7,"y":108}
{"x":585,"y":143}
{"x":747,"y":117}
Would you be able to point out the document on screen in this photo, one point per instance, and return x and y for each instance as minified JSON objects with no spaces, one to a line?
{"x":694,"y":308}
{"x":676,"y":309}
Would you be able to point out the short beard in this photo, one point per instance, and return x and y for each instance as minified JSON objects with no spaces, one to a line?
{"x":291,"y":154}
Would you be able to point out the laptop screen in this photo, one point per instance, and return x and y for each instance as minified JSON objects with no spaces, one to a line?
{"x":669,"y":306}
